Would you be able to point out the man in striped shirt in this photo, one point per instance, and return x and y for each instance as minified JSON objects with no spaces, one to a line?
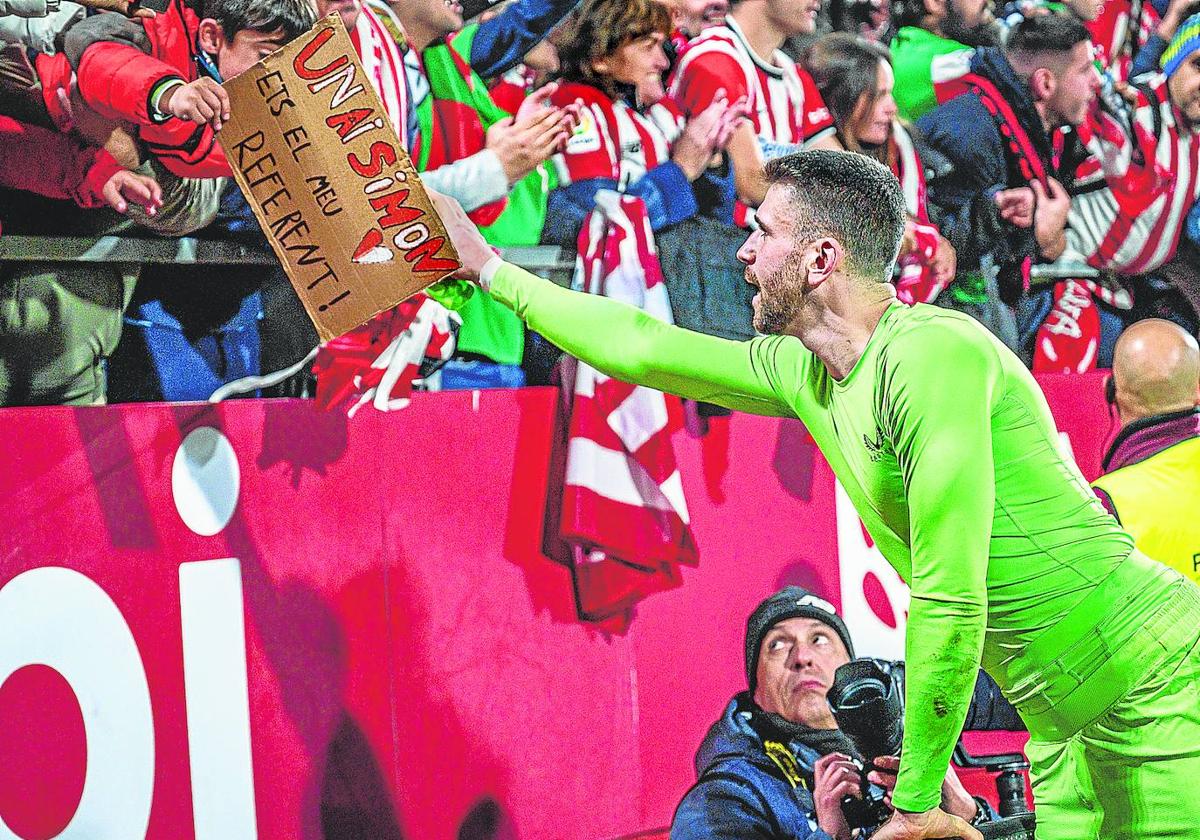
{"x":504,"y":156}
{"x":1132,"y":206}
{"x":745,"y":58}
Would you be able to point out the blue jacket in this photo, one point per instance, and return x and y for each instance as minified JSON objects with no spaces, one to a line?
{"x":1150,"y":53}
{"x":665,"y":189}
{"x":965,"y":132}
{"x":503,"y":41}
{"x":983,"y":162}
{"x":741,"y":791}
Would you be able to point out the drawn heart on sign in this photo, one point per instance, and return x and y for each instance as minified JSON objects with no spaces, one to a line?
{"x":371,"y":249}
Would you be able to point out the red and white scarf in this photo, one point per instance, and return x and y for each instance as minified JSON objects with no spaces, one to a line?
{"x":1068,"y":341}
{"x":382,"y":361}
{"x":383,"y":61}
{"x":623,"y":513}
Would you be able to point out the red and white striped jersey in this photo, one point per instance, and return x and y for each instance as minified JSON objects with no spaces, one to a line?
{"x":786,"y":108}
{"x":383,"y":62}
{"x":1119,"y":31}
{"x":1130,"y":210}
{"x":612,"y":139}
{"x":785,"y":105}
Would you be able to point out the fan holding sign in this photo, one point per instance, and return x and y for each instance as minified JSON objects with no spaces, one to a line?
{"x":315,"y":151}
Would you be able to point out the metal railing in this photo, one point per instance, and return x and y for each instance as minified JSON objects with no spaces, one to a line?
{"x":546,"y":261}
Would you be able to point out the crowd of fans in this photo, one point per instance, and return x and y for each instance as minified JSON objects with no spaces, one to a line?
{"x":1049,"y":154}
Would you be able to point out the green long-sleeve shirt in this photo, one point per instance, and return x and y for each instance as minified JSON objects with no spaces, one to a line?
{"x":946,"y":446}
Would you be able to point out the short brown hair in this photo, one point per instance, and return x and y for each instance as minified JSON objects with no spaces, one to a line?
{"x":850,"y":197}
{"x":599,"y":28}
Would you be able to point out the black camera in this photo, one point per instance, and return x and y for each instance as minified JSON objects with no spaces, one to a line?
{"x":867,"y":699}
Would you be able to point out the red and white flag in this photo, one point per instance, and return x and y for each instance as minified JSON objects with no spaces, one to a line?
{"x":623,"y":513}
{"x":383,"y":61}
{"x":1068,"y":341}
{"x":382,"y":361}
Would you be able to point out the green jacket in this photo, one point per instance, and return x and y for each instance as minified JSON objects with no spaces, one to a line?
{"x":913,"y":53}
{"x":453,"y":121}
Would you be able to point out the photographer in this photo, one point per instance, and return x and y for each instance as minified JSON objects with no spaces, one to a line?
{"x":775,"y":764}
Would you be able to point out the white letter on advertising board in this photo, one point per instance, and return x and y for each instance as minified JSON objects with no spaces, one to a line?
{"x":218,"y":699}
{"x":60,"y":618}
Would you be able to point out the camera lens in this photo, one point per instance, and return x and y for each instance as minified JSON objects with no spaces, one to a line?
{"x":1010,"y":786}
{"x":861,"y":693}
{"x":867,"y":701}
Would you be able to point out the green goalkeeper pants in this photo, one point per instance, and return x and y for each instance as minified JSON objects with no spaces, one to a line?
{"x":1133,"y":773}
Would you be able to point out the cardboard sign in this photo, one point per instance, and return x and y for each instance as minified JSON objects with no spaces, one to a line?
{"x":315,"y":154}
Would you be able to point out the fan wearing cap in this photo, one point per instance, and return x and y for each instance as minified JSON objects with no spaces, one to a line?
{"x":775,"y":764}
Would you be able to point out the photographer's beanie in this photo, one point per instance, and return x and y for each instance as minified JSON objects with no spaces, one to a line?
{"x":789,"y":602}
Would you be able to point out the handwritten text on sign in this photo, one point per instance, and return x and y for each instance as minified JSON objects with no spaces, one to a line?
{"x":317,"y":157}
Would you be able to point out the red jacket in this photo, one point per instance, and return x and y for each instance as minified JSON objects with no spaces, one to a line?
{"x":51,"y":164}
{"x":119,"y":62}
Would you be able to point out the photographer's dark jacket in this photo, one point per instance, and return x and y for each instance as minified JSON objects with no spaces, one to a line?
{"x":752,"y":783}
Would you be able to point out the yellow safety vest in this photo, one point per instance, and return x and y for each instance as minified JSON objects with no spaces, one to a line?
{"x":1158,"y":502}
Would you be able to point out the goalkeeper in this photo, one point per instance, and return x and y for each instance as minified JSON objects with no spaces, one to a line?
{"x":946,"y":446}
